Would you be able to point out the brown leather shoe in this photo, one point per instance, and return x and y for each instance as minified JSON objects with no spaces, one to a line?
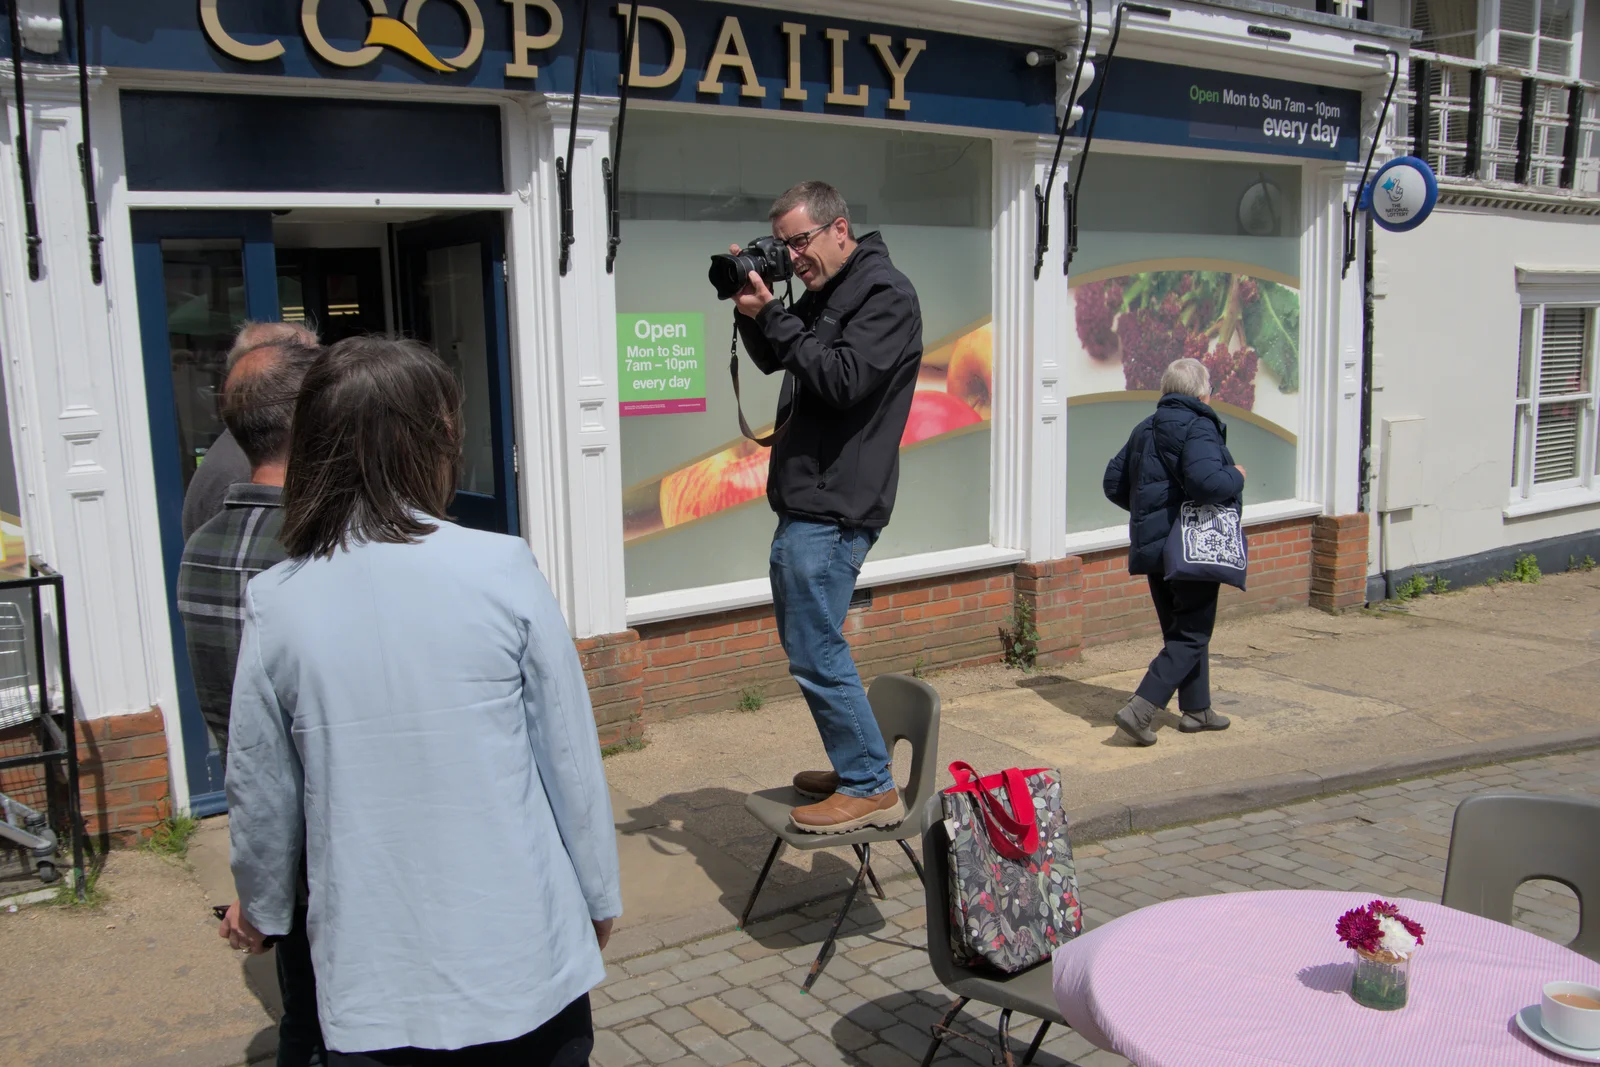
{"x":818,"y":785}
{"x":840,"y":814}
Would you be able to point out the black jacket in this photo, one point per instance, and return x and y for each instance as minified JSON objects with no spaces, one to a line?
{"x":852,"y":351}
{"x":1184,"y":437}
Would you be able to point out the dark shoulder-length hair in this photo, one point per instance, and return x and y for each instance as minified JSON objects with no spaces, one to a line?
{"x":376,"y":441}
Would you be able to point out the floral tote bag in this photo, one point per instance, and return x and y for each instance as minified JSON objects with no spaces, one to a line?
{"x":1013,"y":888}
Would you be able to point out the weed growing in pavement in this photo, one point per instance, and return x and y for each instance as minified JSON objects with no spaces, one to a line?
{"x":919,"y":669}
{"x":1021,"y":641}
{"x":1525,"y":570}
{"x":752,"y":699}
{"x":631,"y":744}
{"x":93,"y":895}
{"x":170,"y":837}
{"x":1418,"y":585}
{"x":1585,"y":564}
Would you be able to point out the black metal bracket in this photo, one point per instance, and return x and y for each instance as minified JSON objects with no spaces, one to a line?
{"x":30,"y":214}
{"x":1377,"y":133}
{"x":1102,"y":74}
{"x":611,"y":169}
{"x":86,"y":152}
{"x":564,"y":167}
{"x":1041,"y":198}
{"x":1569,"y":147}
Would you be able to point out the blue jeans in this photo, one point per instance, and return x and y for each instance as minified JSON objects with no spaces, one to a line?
{"x":813,"y":570}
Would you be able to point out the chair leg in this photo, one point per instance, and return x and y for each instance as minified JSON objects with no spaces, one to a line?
{"x":871,"y":874}
{"x":838,"y":921}
{"x":777,"y":846}
{"x":1038,"y":1039}
{"x":939,"y":1028}
{"x":912,"y":856}
{"x":1005,"y":1037}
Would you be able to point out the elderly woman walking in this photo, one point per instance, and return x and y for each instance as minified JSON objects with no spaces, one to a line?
{"x":1178,"y":455}
{"x":409,"y":699}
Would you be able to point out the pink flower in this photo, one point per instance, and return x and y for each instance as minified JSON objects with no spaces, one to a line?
{"x":1363,"y":928}
{"x":1359,"y":929}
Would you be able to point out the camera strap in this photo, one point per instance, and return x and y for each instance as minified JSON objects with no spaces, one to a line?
{"x":744,"y":427}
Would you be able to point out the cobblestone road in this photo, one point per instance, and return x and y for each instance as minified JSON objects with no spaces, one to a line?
{"x":735,"y":998}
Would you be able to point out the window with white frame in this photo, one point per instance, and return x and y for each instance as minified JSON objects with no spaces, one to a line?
{"x":1553,"y":447}
{"x":1540,"y":37}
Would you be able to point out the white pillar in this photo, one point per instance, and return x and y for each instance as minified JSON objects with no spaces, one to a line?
{"x":1029,"y":472}
{"x":570,"y":376}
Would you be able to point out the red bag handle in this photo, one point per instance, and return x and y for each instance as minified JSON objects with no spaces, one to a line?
{"x":1014,"y":834}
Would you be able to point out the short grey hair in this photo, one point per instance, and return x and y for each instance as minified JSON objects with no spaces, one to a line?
{"x":1187,"y":377}
{"x":822,"y":202}
{"x":253,"y":335}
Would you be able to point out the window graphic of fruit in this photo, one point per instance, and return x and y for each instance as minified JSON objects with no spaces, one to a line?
{"x":952,"y":394}
{"x":730,"y":477}
{"x":933,"y":414}
{"x":972,"y":369}
{"x":1231,"y":322}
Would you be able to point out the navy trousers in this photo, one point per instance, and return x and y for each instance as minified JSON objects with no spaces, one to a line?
{"x":1188,"y":614}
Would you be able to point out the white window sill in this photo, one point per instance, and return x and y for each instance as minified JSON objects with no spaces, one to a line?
{"x":683,"y":603}
{"x":1544,"y":503}
{"x":1110,"y":537}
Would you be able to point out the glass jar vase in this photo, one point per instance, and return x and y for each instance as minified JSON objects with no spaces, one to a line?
{"x":1380,"y":980}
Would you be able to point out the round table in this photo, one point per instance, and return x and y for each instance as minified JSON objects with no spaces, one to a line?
{"x":1261,"y":980}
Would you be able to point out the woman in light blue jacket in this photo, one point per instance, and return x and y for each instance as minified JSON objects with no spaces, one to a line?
{"x":409,"y":706}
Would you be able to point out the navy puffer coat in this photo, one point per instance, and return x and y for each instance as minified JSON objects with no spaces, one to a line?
{"x":1184,"y":437}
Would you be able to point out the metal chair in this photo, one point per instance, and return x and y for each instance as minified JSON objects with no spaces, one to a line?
{"x":907,"y":709}
{"x":1500,"y":840}
{"x":1029,"y":992}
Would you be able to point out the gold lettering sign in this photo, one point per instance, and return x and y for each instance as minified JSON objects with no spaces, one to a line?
{"x":522,"y":42}
{"x":250,"y":53}
{"x":680,"y":52}
{"x":836,"y":94}
{"x":731,"y":52}
{"x":383,"y":31}
{"x":792,"y":89}
{"x":897,"y":70}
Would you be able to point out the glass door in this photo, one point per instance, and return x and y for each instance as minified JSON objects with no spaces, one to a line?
{"x":452,"y":283}
{"x":198,"y":274}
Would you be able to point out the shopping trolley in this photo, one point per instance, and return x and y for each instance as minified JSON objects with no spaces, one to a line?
{"x":26,"y":697}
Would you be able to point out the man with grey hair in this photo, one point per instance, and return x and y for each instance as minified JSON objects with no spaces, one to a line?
{"x":1178,"y":454}
{"x":850,"y":349}
{"x":225,"y":462}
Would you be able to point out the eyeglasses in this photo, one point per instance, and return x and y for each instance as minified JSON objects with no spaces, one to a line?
{"x":801,"y":241}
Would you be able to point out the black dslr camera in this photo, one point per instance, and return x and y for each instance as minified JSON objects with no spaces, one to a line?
{"x":767,"y":256}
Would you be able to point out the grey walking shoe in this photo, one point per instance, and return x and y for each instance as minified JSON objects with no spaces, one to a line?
{"x":1134,"y":720}
{"x":1194,"y":722}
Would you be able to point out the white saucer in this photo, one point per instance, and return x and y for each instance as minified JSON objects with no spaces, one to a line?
{"x":1529,"y":1019}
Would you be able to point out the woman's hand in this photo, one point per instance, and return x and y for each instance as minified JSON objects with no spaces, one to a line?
{"x":239,"y":933}
{"x":1241,"y":471}
{"x":602,"y":932}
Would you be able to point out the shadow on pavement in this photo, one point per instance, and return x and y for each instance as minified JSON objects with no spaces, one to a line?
{"x":903,"y":1022}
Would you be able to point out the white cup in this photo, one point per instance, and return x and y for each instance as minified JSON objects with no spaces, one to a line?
{"x":1578,"y":1027}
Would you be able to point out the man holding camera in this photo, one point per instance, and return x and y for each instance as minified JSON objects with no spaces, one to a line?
{"x":850,"y":349}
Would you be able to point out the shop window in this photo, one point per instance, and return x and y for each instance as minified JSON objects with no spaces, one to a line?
{"x":1184,"y":258}
{"x":1553,"y":443}
{"x":694,"y":501}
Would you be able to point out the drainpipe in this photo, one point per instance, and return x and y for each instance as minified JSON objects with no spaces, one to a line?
{"x":1368,"y":313}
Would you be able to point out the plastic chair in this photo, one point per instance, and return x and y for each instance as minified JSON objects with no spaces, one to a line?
{"x":907,"y":709}
{"x":1029,"y":992}
{"x":1500,"y":840}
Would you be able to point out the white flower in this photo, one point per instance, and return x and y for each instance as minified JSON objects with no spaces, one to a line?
{"x":1396,"y":939}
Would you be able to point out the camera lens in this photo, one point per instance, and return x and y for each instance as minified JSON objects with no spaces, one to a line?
{"x":729,"y":274}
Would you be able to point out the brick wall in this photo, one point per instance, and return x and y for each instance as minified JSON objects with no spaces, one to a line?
{"x":1117,"y":606}
{"x":706,"y":663}
{"x":1339,"y":561}
{"x":614,"y":668}
{"x":123,"y":773}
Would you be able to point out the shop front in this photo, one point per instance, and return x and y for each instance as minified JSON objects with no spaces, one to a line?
{"x":463,"y":172}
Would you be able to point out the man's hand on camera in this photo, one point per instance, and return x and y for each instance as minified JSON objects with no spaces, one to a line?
{"x":753,"y":297}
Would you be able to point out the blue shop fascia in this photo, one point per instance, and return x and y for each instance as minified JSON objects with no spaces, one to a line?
{"x":479,"y":174}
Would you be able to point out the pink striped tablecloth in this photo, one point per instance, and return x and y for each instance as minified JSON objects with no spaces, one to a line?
{"x":1260,"y":980}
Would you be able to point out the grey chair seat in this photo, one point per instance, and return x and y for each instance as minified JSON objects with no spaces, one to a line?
{"x":771,"y":808}
{"x":1029,"y":992}
{"x":907,"y":709}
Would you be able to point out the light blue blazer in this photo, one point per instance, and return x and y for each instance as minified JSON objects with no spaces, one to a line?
{"x":419,"y":714}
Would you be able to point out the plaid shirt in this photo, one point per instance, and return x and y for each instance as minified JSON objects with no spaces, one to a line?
{"x":218,"y":562}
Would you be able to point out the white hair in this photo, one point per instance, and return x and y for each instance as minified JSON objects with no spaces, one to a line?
{"x":1188,"y":377}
